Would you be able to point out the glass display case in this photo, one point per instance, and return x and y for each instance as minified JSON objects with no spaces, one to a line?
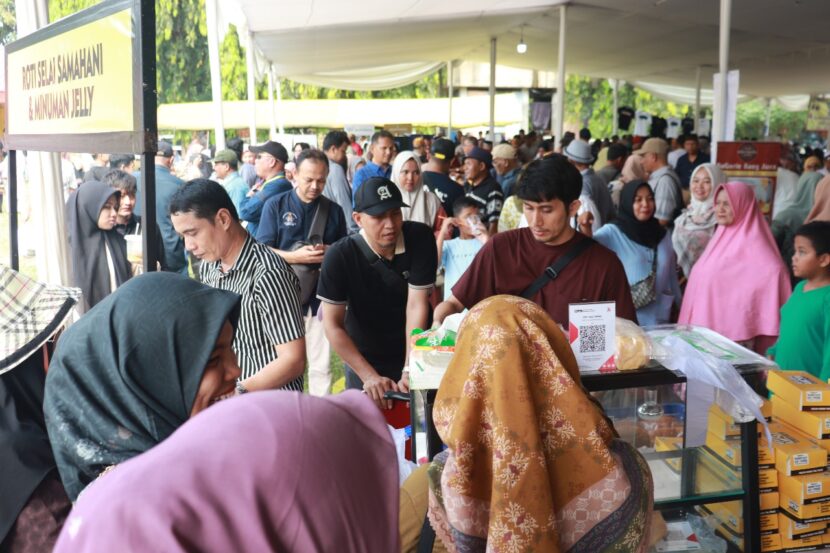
{"x":648,"y":410}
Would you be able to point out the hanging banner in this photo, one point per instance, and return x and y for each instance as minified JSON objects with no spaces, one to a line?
{"x":818,"y":114}
{"x":755,"y":163}
{"x":78,"y":82}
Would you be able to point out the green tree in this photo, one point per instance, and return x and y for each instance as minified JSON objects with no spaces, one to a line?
{"x":7,"y":21}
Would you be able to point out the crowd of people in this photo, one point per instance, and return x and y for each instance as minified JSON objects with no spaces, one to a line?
{"x":271,"y":260}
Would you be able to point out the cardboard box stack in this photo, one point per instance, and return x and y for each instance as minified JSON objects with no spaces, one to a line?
{"x":801,"y":440}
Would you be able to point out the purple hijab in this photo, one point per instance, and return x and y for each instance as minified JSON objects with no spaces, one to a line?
{"x":271,"y":471}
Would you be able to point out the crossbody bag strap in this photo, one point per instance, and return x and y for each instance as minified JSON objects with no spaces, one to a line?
{"x":321,"y":216}
{"x":555,"y":269}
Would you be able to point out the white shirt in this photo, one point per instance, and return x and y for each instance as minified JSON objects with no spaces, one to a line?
{"x":642,"y":123}
{"x":674,"y":155}
{"x":673,"y":128}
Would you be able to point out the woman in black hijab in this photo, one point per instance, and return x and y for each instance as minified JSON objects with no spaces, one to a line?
{"x":99,"y":253}
{"x":134,"y":369}
{"x":33,"y":503}
{"x":645,"y":250}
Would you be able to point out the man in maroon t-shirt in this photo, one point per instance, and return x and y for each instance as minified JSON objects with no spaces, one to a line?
{"x":511,"y":261}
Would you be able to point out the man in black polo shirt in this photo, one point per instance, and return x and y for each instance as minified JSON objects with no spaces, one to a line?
{"x":436,"y":174}
{"x":483,"y":188}
{"x":384,"y":275}
{"x":286,"y":223}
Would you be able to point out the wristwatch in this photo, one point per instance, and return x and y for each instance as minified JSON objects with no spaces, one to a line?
{"x":241,"y":389}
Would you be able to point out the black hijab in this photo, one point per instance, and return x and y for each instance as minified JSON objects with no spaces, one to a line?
{"x":88,"y":243}
{"x":125,"y":376}
{"x":646,"y":233}
{"x":25,"y":453}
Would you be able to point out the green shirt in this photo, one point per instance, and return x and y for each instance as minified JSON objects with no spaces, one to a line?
{"x":804,"y":340}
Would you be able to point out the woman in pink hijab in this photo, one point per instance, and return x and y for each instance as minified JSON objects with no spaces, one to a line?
{"x":272,"y":471}
{"x":739,"y":284}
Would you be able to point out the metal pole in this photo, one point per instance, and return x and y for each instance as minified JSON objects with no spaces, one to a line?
{"x":451,"y":93}
{"x":148,"y":168}
{"x":697,"y":98}
{"x":615,"y":87}
{"x":273,"y":132}
{"x":215,"y":72}
{"x":769,"y":116}
{"x":279,"y":105}
{"x":249,"y":61}
{"x":558,"y":115}
{"x":493,"y":89}
{"x":723,"y":63}
{"x":12,"y":207}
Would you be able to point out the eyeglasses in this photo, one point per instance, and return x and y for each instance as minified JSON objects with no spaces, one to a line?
{"x":264,"y":156}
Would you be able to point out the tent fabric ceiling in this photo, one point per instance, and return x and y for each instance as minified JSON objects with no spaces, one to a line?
{"x":781,"y":47}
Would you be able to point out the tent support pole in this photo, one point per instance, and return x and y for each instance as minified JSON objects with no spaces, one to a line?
{"x":279,"y":105}
{"x":14,"y":245}
{"x":615,"y":87}
{"x":719,"y":133}
{"x":697,"y":98}
{"x":493,"y":89}
{"x":450,"y":93}
{"x":273,"y":131}
{"x":249,"y":62}
{"x":558,"y":112}
{"x":215,"y":72}
{"x":769,"y":116}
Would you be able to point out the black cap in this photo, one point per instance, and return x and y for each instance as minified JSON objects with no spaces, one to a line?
{"x":616,"y":151}
{"x":273,"y":148}
{"x":164,"y":149}
{"x":481,"y":155}
{"x":443,"y":149}
{"x":376,"y":196}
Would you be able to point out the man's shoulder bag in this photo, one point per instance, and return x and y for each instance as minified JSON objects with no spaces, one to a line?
{"x":310,"y":273}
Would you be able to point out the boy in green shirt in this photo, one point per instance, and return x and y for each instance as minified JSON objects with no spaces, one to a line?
{"x":804,"y":340}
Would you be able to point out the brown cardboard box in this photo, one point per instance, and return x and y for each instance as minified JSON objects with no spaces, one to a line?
{"x":800,"y":389}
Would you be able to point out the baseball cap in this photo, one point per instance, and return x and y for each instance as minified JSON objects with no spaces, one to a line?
{"x":653,"y":146}
{"x":377,"y":195}
{"x":481,"y":155}
{"x":164,"y":149}
{"x":273,"y":148}
{"x":443,"y":149}
{"x":225,"y":156}
{"x":504,"y":151}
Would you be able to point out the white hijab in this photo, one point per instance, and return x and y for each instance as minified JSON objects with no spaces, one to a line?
{"x":423,"y":204}
{"x":695,"y":226}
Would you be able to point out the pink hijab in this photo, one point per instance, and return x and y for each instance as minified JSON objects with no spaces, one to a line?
{"x":271,"y":471}
{"x":739,"y":284}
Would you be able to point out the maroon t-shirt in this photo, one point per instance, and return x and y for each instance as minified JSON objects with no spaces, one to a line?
{"x":510,"y":261}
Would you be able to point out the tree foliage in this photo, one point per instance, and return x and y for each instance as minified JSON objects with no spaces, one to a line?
{"x":7,"y":26}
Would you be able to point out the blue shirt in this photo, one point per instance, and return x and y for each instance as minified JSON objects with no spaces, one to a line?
{"x":637,"y":261}
{"x":456,"y":257}
{"x":286,"y":220}
{"x":251,"y":207}
{"x":166,"y":185}
{"x":236,"y":188}
{"x":367,"y":172}
{"x":508,"y":180}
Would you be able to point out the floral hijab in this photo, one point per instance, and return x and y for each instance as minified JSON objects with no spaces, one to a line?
{"x":532,"y":462}
{"x":695,"y":226}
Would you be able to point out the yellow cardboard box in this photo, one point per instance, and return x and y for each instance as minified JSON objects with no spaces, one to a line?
{"x":768,"y":502}
{"x":802,"y":544}
{"x":729,"y":452}
{"x":815,"y":424}
{"x":712,"y":475}
{"x":771,"y":543}
{"x":792,"y":530}
{"x":669,"y":443}
{"x":813,"y":512}
{"x":800,"y":389}
{"x":724,"y":427}
{"x":795,"y":453}
{"x":767,"y":480}
{"x":806,"y":488}
{"x":730,"y":514}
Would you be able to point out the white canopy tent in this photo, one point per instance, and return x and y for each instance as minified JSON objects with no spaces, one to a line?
{"x":780,"y":47}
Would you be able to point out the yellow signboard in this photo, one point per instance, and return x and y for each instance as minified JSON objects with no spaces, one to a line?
{"x":78,"y":82}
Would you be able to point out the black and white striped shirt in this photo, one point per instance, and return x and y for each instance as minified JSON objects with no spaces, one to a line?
{"x":270,"y":305}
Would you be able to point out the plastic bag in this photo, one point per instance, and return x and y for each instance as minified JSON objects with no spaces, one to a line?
{"x":405,"y":467}
{"x":634,"y":349}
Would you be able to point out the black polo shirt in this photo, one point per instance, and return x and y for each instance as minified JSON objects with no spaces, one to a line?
{"x":490,"y":196}
{"x":445,"y":188}
{"x":376,"y":292}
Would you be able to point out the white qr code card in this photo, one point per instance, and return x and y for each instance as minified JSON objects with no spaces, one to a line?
{"x":591,"y":334}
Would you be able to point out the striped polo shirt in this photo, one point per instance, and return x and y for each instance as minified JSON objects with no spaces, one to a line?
{"x":270,"y":305}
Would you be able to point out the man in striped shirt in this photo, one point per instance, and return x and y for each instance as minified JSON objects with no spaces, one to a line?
{"x":269,"y":340}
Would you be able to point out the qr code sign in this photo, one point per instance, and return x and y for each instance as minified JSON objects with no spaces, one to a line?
{"x":592,"y":338}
